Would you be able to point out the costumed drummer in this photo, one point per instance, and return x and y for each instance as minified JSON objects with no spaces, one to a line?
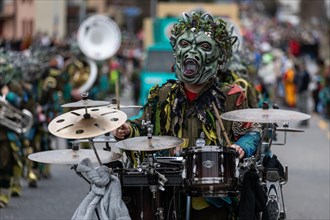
{"x":183,"y":108}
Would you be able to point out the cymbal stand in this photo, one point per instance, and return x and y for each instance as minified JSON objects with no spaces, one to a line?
{"x":84,"y":96}
{"x":75,"y":146}
{"x":285,"y":125}
{"x":107,"y":145}
{"x":91,"y":142}
{"x":156,"y":180}
{"x":268,"y":134}
{"x":273,"y":181}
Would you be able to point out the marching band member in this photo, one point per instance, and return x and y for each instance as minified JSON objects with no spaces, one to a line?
{"x":182,"y":108}
{"x":14,"y":145}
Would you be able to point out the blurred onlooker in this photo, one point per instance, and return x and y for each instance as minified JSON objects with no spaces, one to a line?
{"x":289,"y":85}
{"x":317,"y":86}
{"x":114,"y":77}
{"x":325,"y":92}
{"x":45,"y":40}
{"x":302,"y":79}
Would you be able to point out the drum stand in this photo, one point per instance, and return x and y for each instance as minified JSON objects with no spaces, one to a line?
{"x":156,"y":180}
{"x":273,"y":182}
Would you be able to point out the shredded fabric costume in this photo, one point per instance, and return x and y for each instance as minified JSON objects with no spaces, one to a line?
{"x":104,"y":196}
{"x":172,"y":112}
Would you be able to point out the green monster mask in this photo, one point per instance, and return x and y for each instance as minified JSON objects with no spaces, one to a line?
{"x":200,"y":45}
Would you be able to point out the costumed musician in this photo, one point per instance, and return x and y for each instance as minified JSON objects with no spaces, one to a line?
{"x":186,"y":107}
{"x":14,"y":145}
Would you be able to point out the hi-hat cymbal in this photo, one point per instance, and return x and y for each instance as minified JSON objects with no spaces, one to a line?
{"x":87,"y":123}
{"x":70,"y":156}
{"x":264,"y":115}
{"x":85,"y":103}
{"x":143,"y":143}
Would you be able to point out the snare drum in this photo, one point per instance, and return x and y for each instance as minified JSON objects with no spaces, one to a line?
{"x":210,"y":171}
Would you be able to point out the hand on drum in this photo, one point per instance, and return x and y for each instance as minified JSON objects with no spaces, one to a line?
{"x":239,"y":150}
{"x":122,"y":132}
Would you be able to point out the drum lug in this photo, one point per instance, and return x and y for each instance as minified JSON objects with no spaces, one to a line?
{"x":194,"y":171}
{"x":160,"y":213}
{"x":184,"y":171}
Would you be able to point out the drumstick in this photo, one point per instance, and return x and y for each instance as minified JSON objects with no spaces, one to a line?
{"x":117,"y":92}
{"x":221,"y":124}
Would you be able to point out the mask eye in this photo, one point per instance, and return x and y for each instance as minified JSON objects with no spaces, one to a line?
{"x":206,"y":46}
{"x":184,"y":43}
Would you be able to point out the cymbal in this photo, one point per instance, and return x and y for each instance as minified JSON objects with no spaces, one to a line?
{"x":142,"y":143}
{"x":85,"y":103}
{"x":125,"y":106}
{"x":87,"y":123}
{"x":264,"y":115}
{"x":70,"y":156}
{"x":99,"y":139}
{"x":289,"y":130}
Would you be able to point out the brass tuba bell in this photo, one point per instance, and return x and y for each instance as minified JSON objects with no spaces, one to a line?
{"x":98,"y":38}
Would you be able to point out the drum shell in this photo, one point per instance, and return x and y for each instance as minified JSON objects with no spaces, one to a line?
{"x":210,"y":171}
{"x":137,"y":195}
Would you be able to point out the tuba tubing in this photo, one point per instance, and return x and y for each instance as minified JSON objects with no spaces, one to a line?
{"x":92,"y":77}
{"x":19,"y":121}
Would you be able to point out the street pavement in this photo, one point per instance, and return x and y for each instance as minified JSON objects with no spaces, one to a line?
{"x":306,"y":195}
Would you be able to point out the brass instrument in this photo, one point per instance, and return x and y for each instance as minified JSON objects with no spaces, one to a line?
{"x":98,"y":38}
{"x":19,"y":121}
{"x":49,"y":82}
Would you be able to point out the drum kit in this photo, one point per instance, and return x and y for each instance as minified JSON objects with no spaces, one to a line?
{"x":199,"y":171}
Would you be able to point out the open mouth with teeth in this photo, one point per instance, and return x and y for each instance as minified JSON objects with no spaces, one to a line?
{"x":190,"y":67}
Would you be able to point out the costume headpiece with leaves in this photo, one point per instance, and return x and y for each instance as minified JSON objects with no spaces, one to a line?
{"x":216,"y":28}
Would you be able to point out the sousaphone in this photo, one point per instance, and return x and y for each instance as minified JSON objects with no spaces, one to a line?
{"x":98,"y":38}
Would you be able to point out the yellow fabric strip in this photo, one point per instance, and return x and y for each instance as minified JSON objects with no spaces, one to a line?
{"x":199,"y":203}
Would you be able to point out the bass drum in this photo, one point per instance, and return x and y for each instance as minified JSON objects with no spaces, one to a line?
{"x":143,"y":198}
{"x":141,"y":203}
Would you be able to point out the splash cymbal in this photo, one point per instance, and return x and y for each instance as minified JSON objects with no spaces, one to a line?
{"x":85,"y":103}
{"x":87,"y":123}
{"x":264,"y":115}
{"x":143,"y":143}
{"x":70,"y":156}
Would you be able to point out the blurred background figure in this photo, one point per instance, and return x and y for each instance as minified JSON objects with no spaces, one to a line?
{"x":325,"y":92}
{"x":302,"y":80}
{"x":289,"y":85}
